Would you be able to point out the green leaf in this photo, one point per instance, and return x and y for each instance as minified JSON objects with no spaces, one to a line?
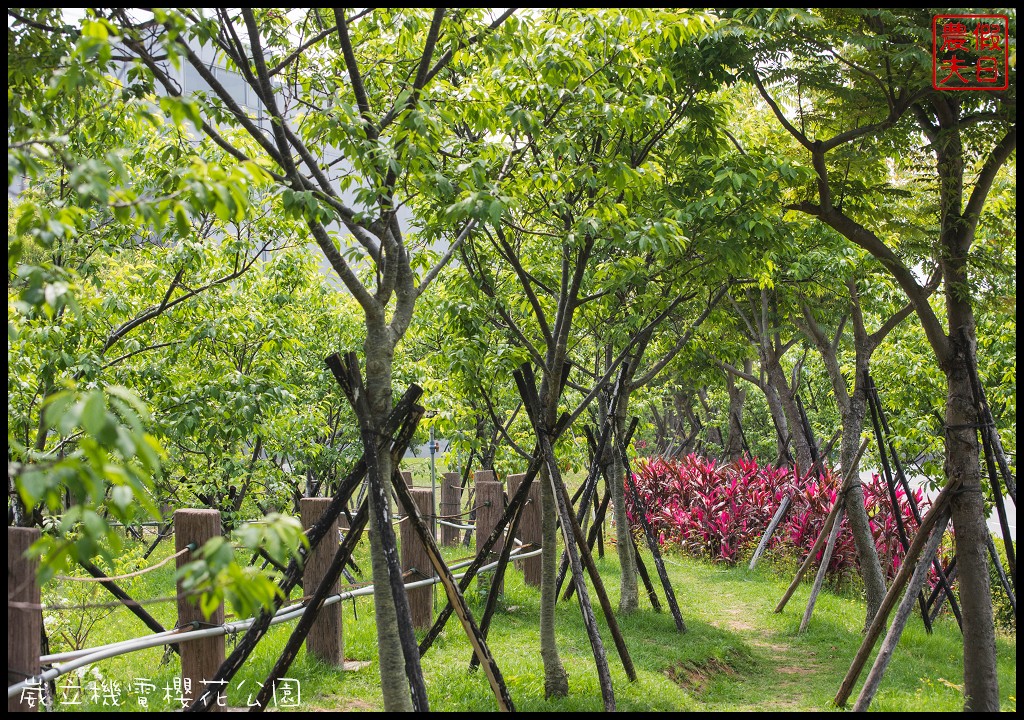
{"x":94,"y":413}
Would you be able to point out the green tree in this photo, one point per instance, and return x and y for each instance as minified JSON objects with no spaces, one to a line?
{"x":875,"y":98}
{"x":370,"y":90}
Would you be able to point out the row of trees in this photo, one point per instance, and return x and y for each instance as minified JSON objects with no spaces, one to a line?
{"x":715,"y":221}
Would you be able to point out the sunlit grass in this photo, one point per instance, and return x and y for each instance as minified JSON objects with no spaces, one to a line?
{"x":736,"y":655}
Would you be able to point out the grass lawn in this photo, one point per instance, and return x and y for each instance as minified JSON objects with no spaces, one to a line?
{"x":737,"y":654}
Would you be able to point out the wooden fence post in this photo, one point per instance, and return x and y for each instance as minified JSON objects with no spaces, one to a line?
{"x":407,"y":476}
{"x":326,"y":638}
{"x":200,"y":659}
{"x":24,"y":624}
{"x":490,"y":506}
{"x":529,"y":528}
{"x":451,"y":499}
{"x":415,"y":556}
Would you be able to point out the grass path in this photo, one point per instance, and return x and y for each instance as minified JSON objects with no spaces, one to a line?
{"x":770,"y":666}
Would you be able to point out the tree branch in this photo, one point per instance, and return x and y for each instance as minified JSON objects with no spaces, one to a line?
{"x":681,"y":342}
{"x":864,"y":238}
{"x":999,"y":155}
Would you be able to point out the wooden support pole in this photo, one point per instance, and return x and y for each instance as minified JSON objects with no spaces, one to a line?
{"x":24,"y":619}
{"x":380,"y":519}
{"x":490,"y":506}
{"x":115,"y":590}
{"x":875,"y":404}
{"x":416,"y":561}
{"x":326,"y":639}
{"x":826,"y":529}
{"x":602,"y":596}
{"x":451,"y":492}
{"x":407,"y":477}
{"x":937,"y":511}
{"x":342,"y":556}
{"x":826,"y":558}
{"x":894,"y":504}
{"x":161,"y":532}
{"x":589,"y":487}
{"x":939,"y":595}
{"x":990,"y":437}
{"x":526,"y":384}
{"x":513,"y":516}
{"x":641,"y":569}
{"x":1003,"y":580}
{"x":485,"y":550}
{"x":565,"y":517}
{"x":313,"y":607}
{"x":401,"y":420}
{"x":529,"y":528}
{"x":652,"y":542}
{"x":456,"y":600}
{"x":200,"y":659}
{"x":899,"y":621}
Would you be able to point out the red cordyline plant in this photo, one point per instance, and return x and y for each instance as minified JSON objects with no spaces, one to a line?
{"x":719,"y":512}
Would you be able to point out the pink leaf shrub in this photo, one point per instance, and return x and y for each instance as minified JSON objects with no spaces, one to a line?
{"x":719,"y":512}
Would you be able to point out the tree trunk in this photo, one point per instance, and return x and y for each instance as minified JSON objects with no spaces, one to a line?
{"x":852,"y":410}
{"x":556,"y":680}
{"x":981,"y":683}
{"x":963,"y":464}
{"x":394,"y":683}
{"x":737,"y":399}
{"x":787,"y":405}
{"x":856,"y":514}
{"x":775,"y":409}
{"x":629,"y":597}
